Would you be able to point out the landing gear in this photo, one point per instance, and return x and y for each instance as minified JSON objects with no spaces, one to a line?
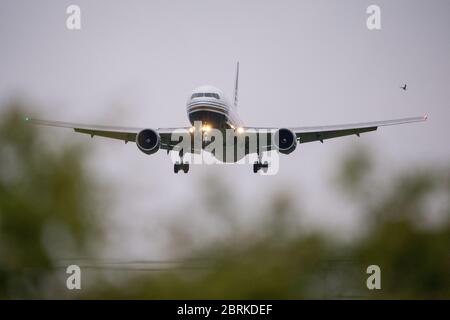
{"x":260,"y":165}
{"x":181,"y":166}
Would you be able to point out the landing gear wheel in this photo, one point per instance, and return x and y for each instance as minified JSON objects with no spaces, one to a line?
{"x":259,"y":165}
{"x":181,"y":166}
{"x":265,"y":166}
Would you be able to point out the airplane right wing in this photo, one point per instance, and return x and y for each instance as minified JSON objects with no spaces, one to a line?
{"x":321,"y":133}
{"x":309,"y":134}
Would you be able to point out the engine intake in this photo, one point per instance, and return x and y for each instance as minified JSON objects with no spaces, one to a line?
{"x":148,"y":141}
{"x":285,"y":140}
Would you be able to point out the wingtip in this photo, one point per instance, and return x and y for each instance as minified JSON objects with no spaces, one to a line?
{"x":425,"y":117}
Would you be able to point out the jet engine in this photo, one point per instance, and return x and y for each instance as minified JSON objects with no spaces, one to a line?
{"x":148,"y":141}
{"x":285,"y":141}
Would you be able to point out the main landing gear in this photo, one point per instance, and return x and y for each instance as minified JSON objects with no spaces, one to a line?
{"x":180,"y":165}
{"x":258,"y":165}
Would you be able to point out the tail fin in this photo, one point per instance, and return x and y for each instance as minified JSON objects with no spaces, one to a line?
{"x":236,"y":86}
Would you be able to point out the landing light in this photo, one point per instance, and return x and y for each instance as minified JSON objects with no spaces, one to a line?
{"x":240,"y":130}
{"x":191,"y":129}
{"x":206,"y":127}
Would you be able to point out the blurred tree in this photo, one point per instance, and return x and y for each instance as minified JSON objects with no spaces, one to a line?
{"x":47,"y":211}
{"x":46,"y":206}
{"x":414,"y":257}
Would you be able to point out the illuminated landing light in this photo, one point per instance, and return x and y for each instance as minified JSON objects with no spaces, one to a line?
{"x":191,"y":129}
{"x":240,"y":130}
{"x":206,"y":128}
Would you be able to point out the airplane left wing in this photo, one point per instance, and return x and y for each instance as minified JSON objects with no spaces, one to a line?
{"x":121,"y":133}
{"x":126,"y":134}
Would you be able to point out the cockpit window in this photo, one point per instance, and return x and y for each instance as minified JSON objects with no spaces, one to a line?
{"x":208,"y":95}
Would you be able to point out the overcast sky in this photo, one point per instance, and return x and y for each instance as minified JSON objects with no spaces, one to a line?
{"x":134,"y":63}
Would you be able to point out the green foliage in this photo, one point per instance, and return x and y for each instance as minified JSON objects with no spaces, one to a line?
{"x":414,"y":255}
{"x":46,"y":209}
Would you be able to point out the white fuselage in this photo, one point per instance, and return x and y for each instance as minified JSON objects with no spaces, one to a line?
{"x":209,"y":105}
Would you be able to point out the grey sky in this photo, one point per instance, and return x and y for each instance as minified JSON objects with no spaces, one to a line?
{"x":302,"y":63}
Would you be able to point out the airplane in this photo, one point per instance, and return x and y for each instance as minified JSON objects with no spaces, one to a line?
{"x":207,"y":108}
{"x":404,"y":87}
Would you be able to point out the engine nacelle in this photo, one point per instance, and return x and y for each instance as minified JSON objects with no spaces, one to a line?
{"x":148,"y":141}
{"x":285,"y":141}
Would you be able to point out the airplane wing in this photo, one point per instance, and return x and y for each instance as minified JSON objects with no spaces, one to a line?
{"x":321,"y":133}
{"x":303,"y":134}
{"x":309,"y":134}
{"x":125,"y":134}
